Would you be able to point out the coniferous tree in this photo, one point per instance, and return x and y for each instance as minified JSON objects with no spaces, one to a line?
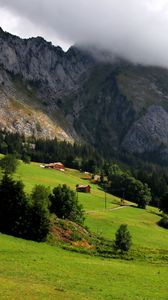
{"x":40,"y":215}
{"x":13,"y":206}
{"x":123,"y":240}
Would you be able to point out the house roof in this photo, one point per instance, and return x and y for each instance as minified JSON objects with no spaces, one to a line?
{"x":82,"y":186}
{"x":59,"y":164}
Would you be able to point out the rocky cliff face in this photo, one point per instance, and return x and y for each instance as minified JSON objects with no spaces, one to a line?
{"x":34,"y":77}
{"x":124,"y":109}
{"x":148,"y":132}
{"x":117,"y":107}
{"x":38,"y":61}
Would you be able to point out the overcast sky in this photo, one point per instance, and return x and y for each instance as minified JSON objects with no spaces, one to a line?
{"x":134,"y":29}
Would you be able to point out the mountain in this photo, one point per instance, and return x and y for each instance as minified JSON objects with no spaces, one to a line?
{"x":34,"y":77}
{"x":119,"y":108}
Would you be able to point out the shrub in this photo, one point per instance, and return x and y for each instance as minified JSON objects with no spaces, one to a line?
{"x":26,"y":159}
{"x":164,"y":221}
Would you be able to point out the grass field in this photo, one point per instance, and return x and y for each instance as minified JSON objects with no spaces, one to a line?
{"x":142,"y":225}
{"x":32,"y":270}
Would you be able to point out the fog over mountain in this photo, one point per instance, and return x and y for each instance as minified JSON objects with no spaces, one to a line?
{"x":133,"y":29}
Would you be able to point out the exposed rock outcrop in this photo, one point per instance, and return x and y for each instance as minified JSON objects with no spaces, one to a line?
{"x":149,"y":132}
{"x":116,"y":106}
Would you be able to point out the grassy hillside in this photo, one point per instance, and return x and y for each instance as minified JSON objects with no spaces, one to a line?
{"x":37,"y":271}
{"x":40,"y":271}
{"x":33,"y":174}
{"x":142,"y":223}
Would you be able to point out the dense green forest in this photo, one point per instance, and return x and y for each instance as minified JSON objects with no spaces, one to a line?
{"x":79,"y":156}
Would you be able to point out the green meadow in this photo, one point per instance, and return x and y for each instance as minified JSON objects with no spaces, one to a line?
{"x":30,"y":270}
{"x":33,"y":174}
{"x":33,"y":270}
{"x":142,"y":225}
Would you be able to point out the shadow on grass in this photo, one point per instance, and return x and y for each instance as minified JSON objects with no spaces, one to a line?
{"x":159,"y":214}
{"x":84,"y":178}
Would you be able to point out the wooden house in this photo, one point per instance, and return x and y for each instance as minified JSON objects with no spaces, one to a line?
{"x":55,"y":166}
{"x":83,"y":188}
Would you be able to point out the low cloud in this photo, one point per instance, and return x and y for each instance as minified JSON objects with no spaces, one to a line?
{"x":133,"y":29}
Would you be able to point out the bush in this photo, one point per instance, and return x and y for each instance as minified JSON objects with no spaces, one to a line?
{"x":65,"y":205}
{"x":164,"y":222}
{"x":123,"y":239}
{"x":26,"y":159}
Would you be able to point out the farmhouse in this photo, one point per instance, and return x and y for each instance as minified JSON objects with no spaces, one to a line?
{"x":55,"y":166}
{"x":83,"y":188}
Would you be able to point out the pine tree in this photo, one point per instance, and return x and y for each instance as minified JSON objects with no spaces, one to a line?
{"x":123,"y":240}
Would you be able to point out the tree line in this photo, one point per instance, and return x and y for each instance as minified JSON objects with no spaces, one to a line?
{"x":141,"y":185}
{"x":78,"y":156}
{"x":126,"y":186}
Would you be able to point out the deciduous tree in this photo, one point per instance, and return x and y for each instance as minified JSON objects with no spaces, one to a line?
{"x":65,"y":205}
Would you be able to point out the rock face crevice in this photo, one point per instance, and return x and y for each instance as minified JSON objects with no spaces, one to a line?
{"x":114,"y":105}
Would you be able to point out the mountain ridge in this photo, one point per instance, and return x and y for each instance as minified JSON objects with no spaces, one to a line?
{"x":118,"y":107}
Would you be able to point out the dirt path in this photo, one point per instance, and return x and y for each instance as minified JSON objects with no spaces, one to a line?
{"x":107,"y":209}
{"x":119,"y":207}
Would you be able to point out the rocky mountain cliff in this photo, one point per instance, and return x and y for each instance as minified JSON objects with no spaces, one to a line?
{"x":119,"y":108}
{"x":34,"y":77}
